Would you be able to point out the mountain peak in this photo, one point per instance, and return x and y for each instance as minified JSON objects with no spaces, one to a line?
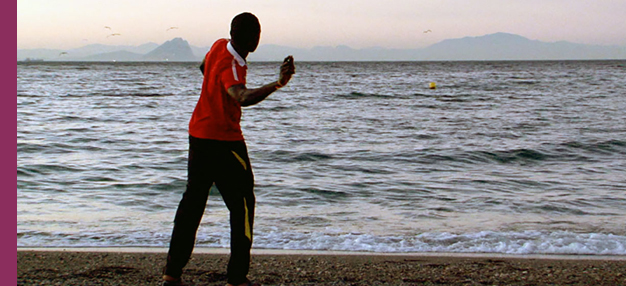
{"x":496,"y":38}
{"x":176,"y":49}
{"x":177,"y":40}
{"x":503,"y":35}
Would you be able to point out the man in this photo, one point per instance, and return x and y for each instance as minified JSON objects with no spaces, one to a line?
{"x":217,"y":150}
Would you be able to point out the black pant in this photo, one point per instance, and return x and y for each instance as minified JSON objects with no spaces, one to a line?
{"x":226,"y":164}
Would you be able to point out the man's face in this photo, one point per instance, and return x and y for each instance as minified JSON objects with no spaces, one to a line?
{"x":251,"y":41}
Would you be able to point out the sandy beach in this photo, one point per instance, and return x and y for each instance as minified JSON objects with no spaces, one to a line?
{"x":136,"y":267}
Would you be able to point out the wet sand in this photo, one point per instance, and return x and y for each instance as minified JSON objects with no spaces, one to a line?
{"x":96,"y":267}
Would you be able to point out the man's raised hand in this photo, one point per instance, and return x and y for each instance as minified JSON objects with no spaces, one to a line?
{"x":287,"y":69}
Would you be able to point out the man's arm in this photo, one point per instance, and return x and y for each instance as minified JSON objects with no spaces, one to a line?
{"x":247,"y":97}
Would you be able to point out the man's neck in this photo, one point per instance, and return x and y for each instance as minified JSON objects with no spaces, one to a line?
{"x":242,"y":53}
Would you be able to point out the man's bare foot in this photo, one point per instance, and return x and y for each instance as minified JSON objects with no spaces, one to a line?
{"x":171,"y":281}
{"x":169,"y":278}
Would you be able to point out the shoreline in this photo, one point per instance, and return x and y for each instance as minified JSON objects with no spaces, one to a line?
{"x":225,"y":251}
{"x":142,"y":266}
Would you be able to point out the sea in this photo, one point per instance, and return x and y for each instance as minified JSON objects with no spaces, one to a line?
{"x":508,"y":157}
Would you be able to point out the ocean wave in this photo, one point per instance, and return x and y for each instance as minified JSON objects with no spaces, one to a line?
{"x":527,"y":242}
{"x":608,"y":147}
{"x":359,"y":95}
{"x":47,"y":169}
{"x":27,"y":94}
{"x":519,"y":243}
{"x":294,"y":156}
{"x":574,"y":151}
{"x":565,"y":152}
{"x":326,"y":195}
{"x":132,"y":94}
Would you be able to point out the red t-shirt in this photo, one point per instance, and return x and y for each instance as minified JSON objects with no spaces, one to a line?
{"x":217,"y":114}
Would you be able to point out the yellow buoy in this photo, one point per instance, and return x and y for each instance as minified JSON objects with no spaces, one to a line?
{"x":433,"y":85}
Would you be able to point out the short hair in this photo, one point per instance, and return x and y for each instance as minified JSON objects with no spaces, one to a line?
{"x":244,"y":25}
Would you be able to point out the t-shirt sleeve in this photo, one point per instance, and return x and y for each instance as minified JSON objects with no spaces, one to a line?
{"x":233,"y":75}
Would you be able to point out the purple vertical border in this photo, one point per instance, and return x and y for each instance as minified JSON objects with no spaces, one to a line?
{"x":9,"y":257}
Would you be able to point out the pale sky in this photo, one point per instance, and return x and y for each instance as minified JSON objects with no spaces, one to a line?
{"x":66,"y":24}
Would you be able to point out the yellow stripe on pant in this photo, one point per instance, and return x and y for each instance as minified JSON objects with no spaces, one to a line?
{"x":245,"y":203}
{"x":243,"y":163}
{"x":247,"y":220}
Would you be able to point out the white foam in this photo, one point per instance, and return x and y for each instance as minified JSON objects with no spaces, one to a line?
{"x":517,"y":243}
{"x":527,"y":242}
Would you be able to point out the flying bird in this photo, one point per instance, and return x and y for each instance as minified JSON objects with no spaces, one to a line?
{"x":62,"y":54}
{"x":171,"y":28}
{"x":115,"y":34}
{"x":428,"y":31}
{"x":107,"y":27}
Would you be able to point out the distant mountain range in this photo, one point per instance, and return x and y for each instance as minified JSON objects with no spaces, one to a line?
{"x":498,"y":46}
{"x":177,"y":50}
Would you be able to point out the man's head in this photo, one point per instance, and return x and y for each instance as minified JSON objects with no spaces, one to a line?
{"x":245,"y":31}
